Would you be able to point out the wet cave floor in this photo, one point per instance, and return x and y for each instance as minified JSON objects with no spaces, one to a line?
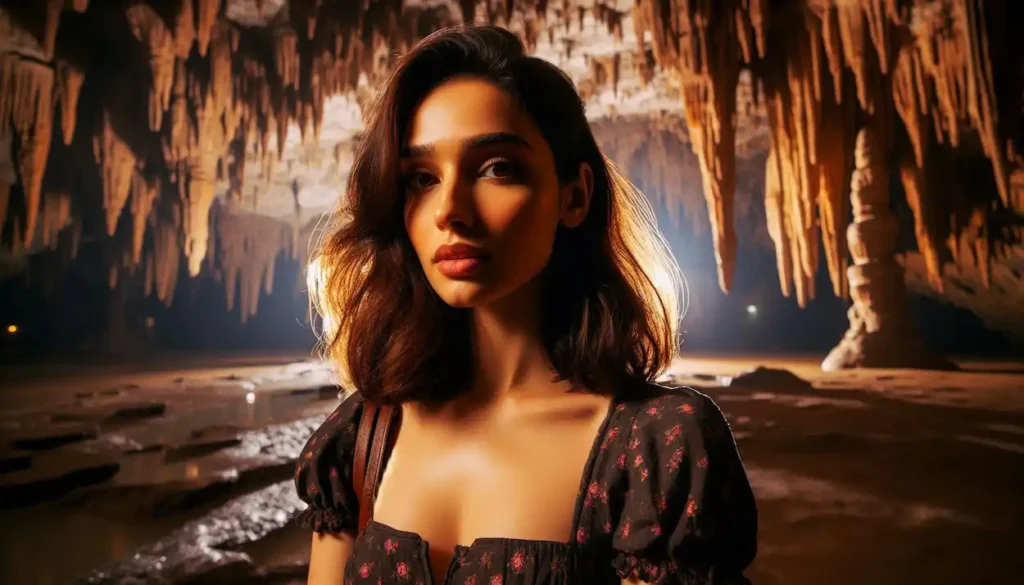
{"x":172,"y":474}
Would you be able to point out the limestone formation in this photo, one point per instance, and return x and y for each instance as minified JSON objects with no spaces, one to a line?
{"x":222,"y":83}
{"x":880,"y":334}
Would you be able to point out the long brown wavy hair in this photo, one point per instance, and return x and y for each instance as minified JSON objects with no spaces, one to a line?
{"x":612,"y":287}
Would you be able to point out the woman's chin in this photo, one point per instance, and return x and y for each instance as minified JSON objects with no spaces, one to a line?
{"x":464,"y":297}
{"x":465,"y":294}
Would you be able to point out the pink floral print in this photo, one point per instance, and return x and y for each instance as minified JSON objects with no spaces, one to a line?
{"x":664,"y":476}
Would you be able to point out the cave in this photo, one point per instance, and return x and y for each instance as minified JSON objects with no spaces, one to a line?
{"x":841,"y":181}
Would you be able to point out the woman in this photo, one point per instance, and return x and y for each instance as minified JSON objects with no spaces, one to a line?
{"x":493,"y":276}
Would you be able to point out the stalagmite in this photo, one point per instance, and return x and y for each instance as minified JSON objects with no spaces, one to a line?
{"x":881,"y":334}
{"x":149,"y":27}
{"x":117,"y":163}
{"x":222,"y":91}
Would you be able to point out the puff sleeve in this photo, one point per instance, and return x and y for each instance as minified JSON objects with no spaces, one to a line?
{"x":323,"y":472}
{"x":688,"y":514}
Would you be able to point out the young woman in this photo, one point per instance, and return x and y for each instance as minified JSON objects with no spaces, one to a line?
{"x":494,"y":277}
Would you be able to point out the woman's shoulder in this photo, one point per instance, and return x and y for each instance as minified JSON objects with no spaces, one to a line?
{"x":657,"y":404}
{"x":339,"y":427}
{"x":672,"y":419}
{"x":323,"y":472}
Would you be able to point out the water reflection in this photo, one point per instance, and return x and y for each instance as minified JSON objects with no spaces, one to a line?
{"x":107,"y":529}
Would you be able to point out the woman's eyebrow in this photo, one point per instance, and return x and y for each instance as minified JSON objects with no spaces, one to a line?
{"x":473,"y":142}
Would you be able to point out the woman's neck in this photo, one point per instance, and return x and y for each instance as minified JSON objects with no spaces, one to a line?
{"x":508,"y":348}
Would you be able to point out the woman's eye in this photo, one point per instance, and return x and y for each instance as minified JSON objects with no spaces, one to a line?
{"x":419,"y":181}
{"x":500,"y":169}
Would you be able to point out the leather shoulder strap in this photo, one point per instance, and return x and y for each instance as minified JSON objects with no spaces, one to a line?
{"x":363,"y":434}
{"x":373,"y":445}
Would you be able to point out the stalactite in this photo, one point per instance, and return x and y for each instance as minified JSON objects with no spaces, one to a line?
{"x":247,"y":251}
{"x":184,"y":29}
{"x":286,"y":55}
{"x":751,"y":23}
{"x":811,"y":145}
{"x":175,"y":141}
{"x":149,"y":28}
{"x":200,"y":187}
{"x":836,"y":139}
{"x":144,"y":194}
{"x":710,"y":101}
{"x":939,"y":63}
{"x":954,"y":44}
{"x":53,"y":8}
{"x":855,"y":44}
{"x":26,"y":99}
{"x":778,"y":229}
{"x":166,"y":259}
{"x":833,"y":46}
{"x":222,"y":80}
{"x":69,"y":85}
{"x":918,"y":184}
{"x":205,"y":21}
{"x":56,"y":215}
{"x":117,"y":163}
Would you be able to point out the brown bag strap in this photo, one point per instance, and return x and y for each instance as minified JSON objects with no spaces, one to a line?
{"x":373,"y":445}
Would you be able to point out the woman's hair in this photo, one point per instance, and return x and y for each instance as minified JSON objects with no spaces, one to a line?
{"x":611,"y":293}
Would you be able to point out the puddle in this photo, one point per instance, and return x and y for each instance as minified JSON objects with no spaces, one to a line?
{"x":88,"y":537}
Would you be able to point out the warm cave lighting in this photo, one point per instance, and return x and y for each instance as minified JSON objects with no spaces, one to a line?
{"x":752,"y":310}
{"x":250,"y":397}
{"x":12,"y":329}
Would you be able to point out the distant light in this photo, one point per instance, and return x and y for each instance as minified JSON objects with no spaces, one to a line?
{"x":12,"y":329}
{"x":751,"y":310}
{"x":250,"y":397}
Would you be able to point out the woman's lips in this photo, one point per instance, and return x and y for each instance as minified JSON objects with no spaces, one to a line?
{"x":461,"y":267}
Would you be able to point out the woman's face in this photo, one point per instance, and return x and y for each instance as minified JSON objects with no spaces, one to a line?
{"x":483,"y":200}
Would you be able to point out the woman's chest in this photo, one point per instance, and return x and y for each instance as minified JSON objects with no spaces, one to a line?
{"x":518,"y":480}
{"x":384,"y":556}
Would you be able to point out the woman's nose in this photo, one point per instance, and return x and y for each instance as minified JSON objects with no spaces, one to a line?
{"x":454,"y":204}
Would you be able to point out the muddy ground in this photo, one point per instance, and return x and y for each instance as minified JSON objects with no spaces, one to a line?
{"x":180,"y":475}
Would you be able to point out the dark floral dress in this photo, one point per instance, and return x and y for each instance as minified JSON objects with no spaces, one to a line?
{"x":664,"y":498}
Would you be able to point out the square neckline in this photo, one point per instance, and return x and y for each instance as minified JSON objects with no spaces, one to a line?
{"x":570,"y":543}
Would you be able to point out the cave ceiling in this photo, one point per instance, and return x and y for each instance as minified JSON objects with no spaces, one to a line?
{"x":181,"y":132}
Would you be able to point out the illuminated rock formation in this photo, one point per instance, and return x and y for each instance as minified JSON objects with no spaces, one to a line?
{"x":880,"y":334}
{"x":259,"y":103}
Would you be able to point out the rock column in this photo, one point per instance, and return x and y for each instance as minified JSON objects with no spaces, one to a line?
{"x":881,"y":335}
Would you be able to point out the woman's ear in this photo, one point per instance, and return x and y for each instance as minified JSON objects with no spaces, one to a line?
{"x":575,"y":198}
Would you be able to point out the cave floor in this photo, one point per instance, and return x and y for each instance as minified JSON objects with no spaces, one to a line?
{"x":182,"y":473}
